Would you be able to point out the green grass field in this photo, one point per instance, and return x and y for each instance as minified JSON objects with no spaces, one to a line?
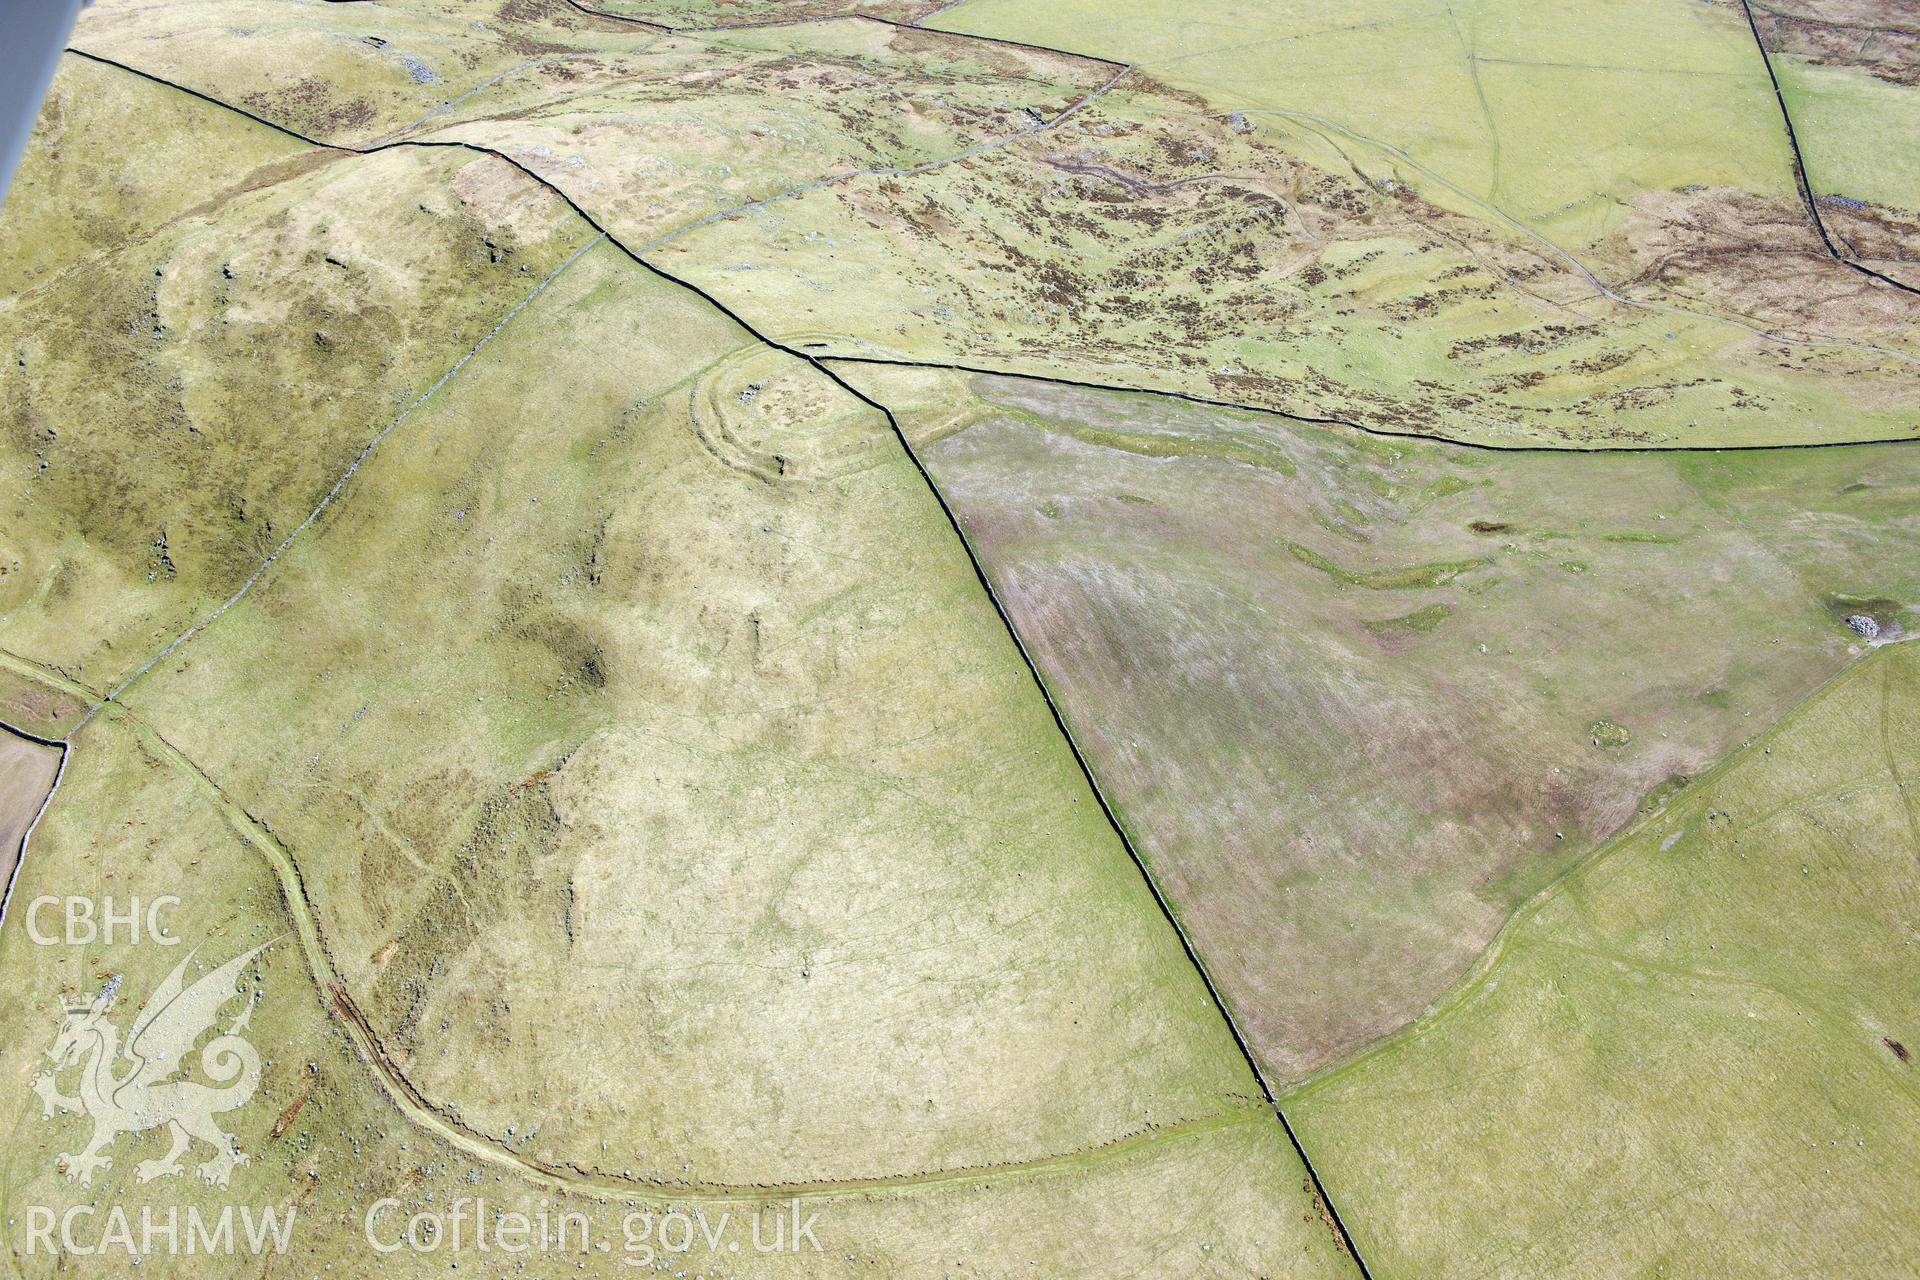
{"x":1846,"y":71}
{"x":1560,"y":114}
{"x":138,"y":818}
{"x":639,"y":789}
{"x":1687,"y":1058}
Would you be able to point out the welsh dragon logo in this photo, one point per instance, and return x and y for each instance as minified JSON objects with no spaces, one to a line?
{"x":145,"y":1096}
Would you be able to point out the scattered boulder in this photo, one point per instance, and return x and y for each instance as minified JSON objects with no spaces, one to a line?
{"x":1861,"y":625}
{"x":417,"y":70}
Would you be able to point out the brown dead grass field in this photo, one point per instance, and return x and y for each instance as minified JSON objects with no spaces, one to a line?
{"x":27,"y":770}
{"x":1357,"y":699}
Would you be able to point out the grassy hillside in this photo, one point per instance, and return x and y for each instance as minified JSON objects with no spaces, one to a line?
{"x":180,"y":398}
{"x":655,"y":844}
{"x":327,"y":1138}
{"x":870,"y":188}
{"x":585,"y":705}
{"x":1689,"y":1058}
